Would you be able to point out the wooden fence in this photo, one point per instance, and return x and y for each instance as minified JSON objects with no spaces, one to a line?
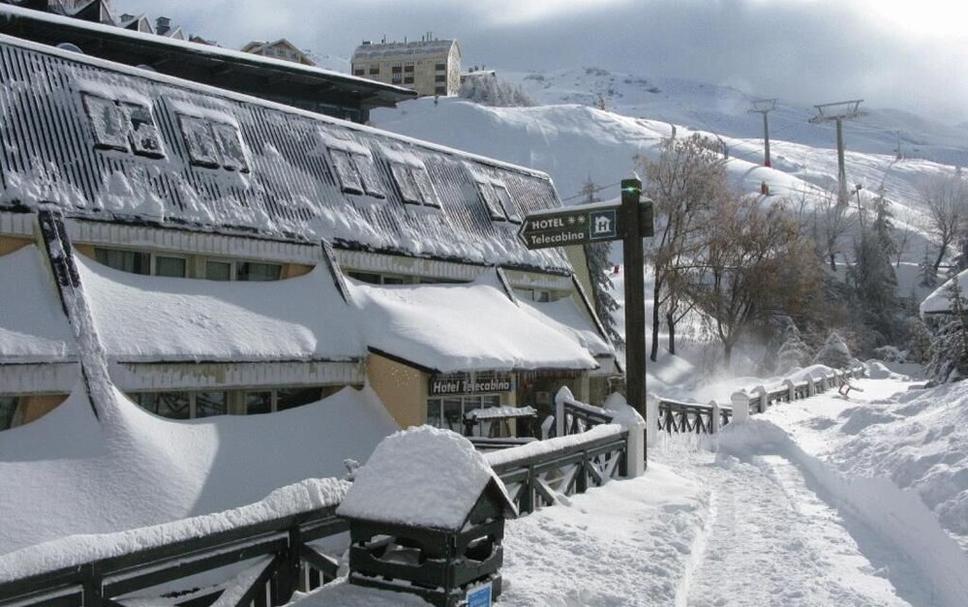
{"x":681,"y":417}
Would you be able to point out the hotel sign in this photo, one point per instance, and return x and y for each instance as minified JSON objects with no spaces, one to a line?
{"x":464,"y":383}
{"x":579,"y":224}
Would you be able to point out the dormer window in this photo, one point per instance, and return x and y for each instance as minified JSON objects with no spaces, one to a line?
{"x":213,"y":143}
{"x":507,"y":204}
{"x":412,"y":179}
{"x":353,"y":163}
{"x":230,"y":145}
{"x":407,"y":185}
{"x":200,"y":139}
{"x":144,"y":134}
{"x":123,"y":126}
{"x":497,"y":200}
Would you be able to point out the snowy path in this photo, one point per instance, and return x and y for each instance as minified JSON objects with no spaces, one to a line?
{"x":772,"y":541}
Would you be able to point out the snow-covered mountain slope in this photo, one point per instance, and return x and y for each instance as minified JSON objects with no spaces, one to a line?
{"x":723,"y":109}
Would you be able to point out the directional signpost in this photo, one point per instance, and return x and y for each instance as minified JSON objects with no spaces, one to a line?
{"x":630,"y":222}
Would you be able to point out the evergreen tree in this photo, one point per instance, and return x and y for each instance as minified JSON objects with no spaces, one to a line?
{"x":919,"y":340}
{"x":873,"y":283}
{"x":883,"y":226}
{"x":794,"y":352}
{"x":599,"y":269}
{"x":834,"y":353}
{"x":486,"y":89}
{"x":949,"y":349}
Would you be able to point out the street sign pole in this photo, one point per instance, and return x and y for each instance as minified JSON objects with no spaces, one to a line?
{"x":633,"y":259}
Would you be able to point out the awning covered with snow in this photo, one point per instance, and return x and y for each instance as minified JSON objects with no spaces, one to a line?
{"x":156,"y":319}
{"x":565,"y":316}
{"x":33,"y":326}
{"x":464,"y":327}
{"x":939,"y":302}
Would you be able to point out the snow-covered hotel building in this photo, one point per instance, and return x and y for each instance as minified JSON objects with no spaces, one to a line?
{"x":232,"y":255}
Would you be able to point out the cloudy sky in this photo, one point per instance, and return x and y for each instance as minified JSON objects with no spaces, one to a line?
{"x":909,"y":54}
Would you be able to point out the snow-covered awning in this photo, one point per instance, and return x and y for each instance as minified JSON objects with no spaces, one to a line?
{"x":939,"y":302}
{"x":464,"y":327}
{"x":564,"y":315}
{"x":155,"y":319}
{"x":33,"y":326}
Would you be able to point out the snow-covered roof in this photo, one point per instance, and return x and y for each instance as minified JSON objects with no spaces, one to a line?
{"x":464,"y":327}
{"x":938,"y":302}
{"x":33,"y":326}
{"x":281,"y":184}
{"x":565,"y":316}
{"x":152,"y":318}
{"x":68,"y":473}
{"x":404,"y":482}
{"x":415,"y":49}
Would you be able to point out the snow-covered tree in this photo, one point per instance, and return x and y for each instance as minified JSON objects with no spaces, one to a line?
{"x":929,"y":276}
{"x":834,"y":353}
{"x":949,"y":349}
{"x":599,"y":269}
{"x":487,"y":89}
{"x":873,"y":282}
{"x":919,"y":340}
{"x":794,"y":352}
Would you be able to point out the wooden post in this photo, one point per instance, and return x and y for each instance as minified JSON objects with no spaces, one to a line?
{"x":791,"y":391}
{"x":717,"y":418}
{"x":634,"y":260}
{"x":651,"y":419}
{"x":741,"y":406}
{"x":763,"y":398}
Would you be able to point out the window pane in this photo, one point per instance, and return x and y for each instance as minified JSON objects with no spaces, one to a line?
{"x":426,"y":187}
{"x":144,"y":135}
{"x":200,"y":141}
{"x":173,"y":405}
{"x":258,"y":271}
{"x":230,"y":145}
{"x":126,"y":261}
{"x":491,"y":202}
{"x":208,"y":404}
{"x":405,"y":182}
{"x":434,"y":417}
{"x":108,"y":123}
{"x":490,"y":400}
{"x":453,"y":415}
{"x":369,"y":175}
{"x":504,"y":197}
{"x":367,"y":277}
{"x":395,"y":280}
{"x":440,"y":78}
{"x":296,"y":397}
{"x":349,"y":179}
{"x":218,"y":270}
{"x":8,"y":408}
{"x":170,"y":266}
{"x":258,"y":402}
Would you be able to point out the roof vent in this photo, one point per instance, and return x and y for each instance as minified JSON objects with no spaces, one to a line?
{"x":68,"y":46}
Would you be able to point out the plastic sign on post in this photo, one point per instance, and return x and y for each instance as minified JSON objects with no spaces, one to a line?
{"x":479,"y":596}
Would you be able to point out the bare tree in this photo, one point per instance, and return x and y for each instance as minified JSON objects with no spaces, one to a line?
{"x":945,"y":198}
{"x":684,"y":182}
{"x":757,"y":265}
{"x":831,"y":222}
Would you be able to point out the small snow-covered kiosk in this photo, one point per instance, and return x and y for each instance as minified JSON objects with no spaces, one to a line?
{"x":420,"y":527}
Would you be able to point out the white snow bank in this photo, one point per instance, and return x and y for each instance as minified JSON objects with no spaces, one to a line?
{"x":938,"y":300}
{"x":463,"y":327}
{"x":157,"y":318}
{"x":66,"y":474}
{"x":897,"y":516}
{"x":304,"y":496}
{"x":33,"y":325}
{"x":421,"y":476}
{"x":496,"y":458}
{"x":344,"y":594}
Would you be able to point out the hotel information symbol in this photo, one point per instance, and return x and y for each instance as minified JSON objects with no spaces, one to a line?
{"x":579,"y":225}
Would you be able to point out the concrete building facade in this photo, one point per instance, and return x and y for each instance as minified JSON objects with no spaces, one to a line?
{"x":428,"y":66}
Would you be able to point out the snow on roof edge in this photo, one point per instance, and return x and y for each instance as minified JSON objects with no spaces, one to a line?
{"x":209,"y":89}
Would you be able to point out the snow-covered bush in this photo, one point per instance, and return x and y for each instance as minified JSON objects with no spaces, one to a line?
{"x":949,"y":348}
{"x":891,"y":354}
{"x":834,"y":352}
{"x":486,"y":89}
{"x":918,"y":340}
{"x":794,"y":352}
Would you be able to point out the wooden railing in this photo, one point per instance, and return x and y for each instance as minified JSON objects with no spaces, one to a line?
{"x":681,"y":417}
{"x":279,"y":557}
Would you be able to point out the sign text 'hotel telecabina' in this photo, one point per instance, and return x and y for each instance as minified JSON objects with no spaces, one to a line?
{"x":463,"y":383}
{"x":579,"y":224}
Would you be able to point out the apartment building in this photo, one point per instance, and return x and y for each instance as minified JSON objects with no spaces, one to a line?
{"x":428,"y":66}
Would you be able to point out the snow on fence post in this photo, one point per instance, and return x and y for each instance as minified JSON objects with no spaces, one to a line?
{"x":559,"y":414}
{"x":741,"y":406}
{"x":764,"y":398}
{"x":651,"y":419}
{"x":811,"y":386}
{"x":716,"y":420}
{"x":791,"y":390}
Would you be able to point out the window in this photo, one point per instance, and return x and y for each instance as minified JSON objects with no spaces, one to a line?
{"x":144,"y":135}
{"x":173,"y":405}
{"x":396,"y":79}
{"x":449,"y":412}
{"x":440,"y":66}
{"x":360,"y":72}
{"x":254,"y":271}
{"x":426,"y":187}
{"x":491,"y":201}
{"x":125,"y":261}
{"x":355,"y":169}
{"x":507,"y":204}
{"x":367,"y":277}
{"x":110,"y":130}
{"x":434,"y":416}
{"x":374,"y":70}
{"x":396,"y":69}
{"x":408,"y":68}
{"x":230,"y":145}
{"x":208,"y":404}
{"x":8,"y":409}
{"x":257,"y":402}
{"x":408,"y":80}
{"x":369,"y":175}
{"x":218,"y":270}
{"x":440,"y":90}
{"x":170,"y":266}
{"x":296,"y":397}
{"x":348,"y":176}
{"x":409,"y":191}
{"x":395,"y":280}
{"x":440,"y":78}
{"x":200,"y":139}
{"x":453,"y":414}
